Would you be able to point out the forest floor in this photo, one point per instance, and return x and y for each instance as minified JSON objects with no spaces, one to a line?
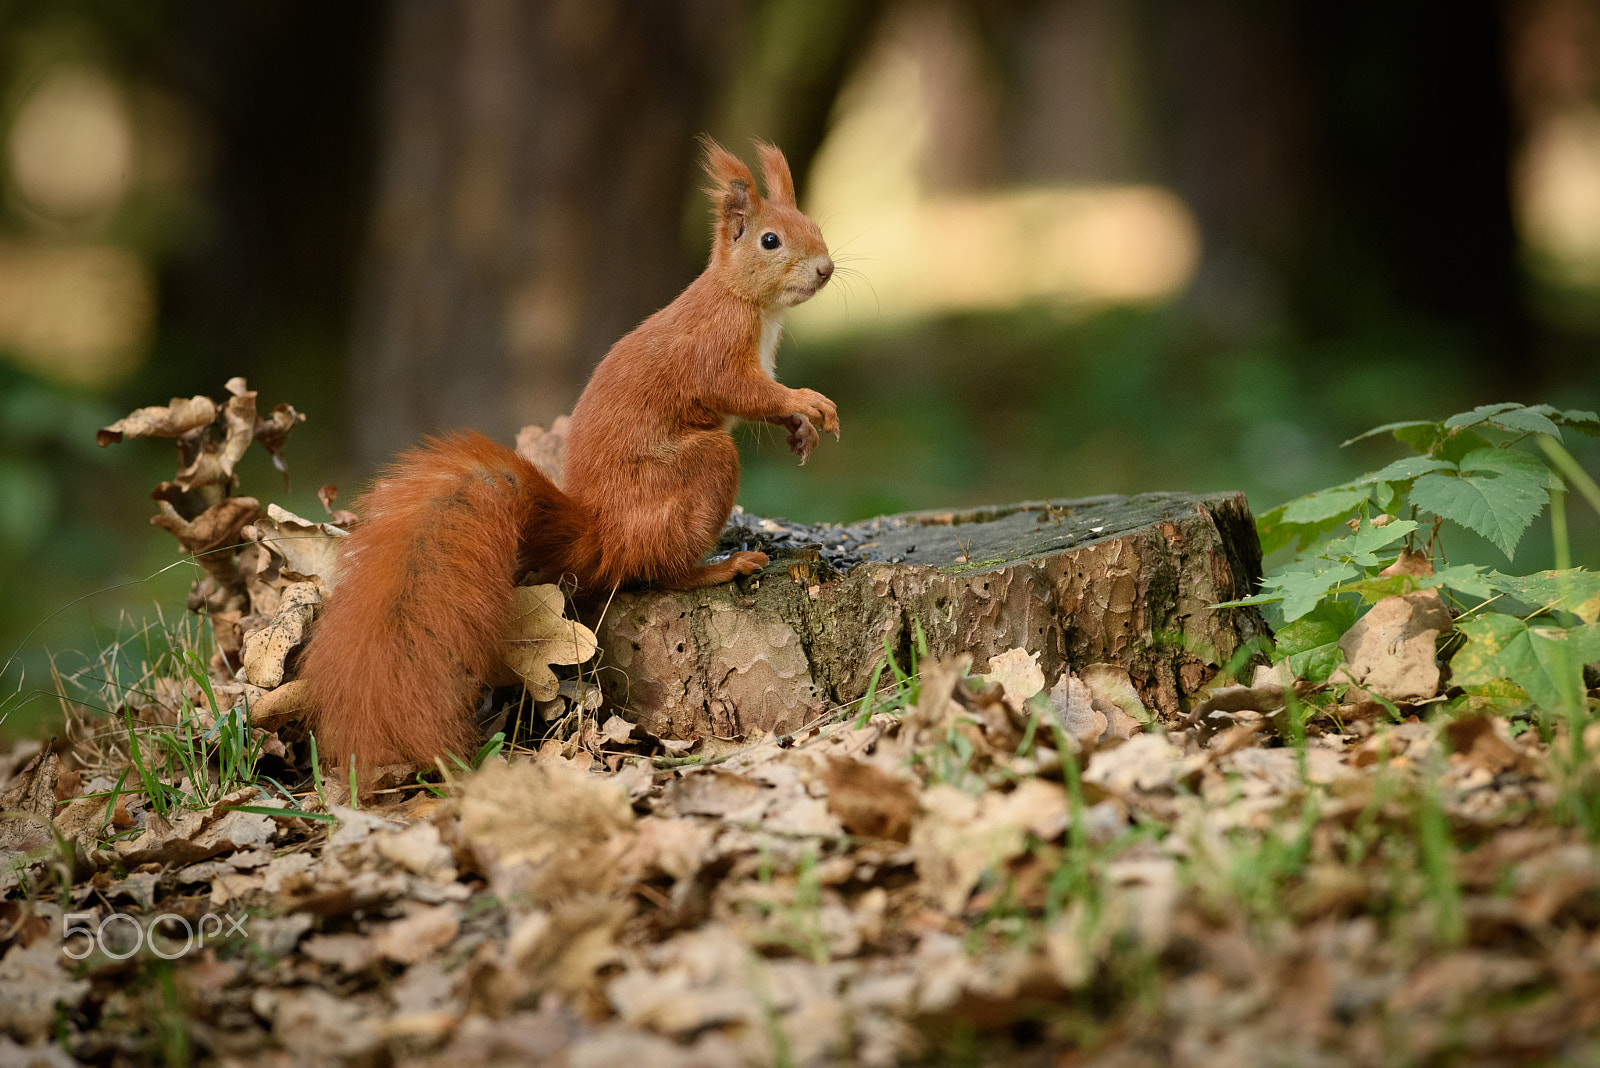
{"x":975,"y":871}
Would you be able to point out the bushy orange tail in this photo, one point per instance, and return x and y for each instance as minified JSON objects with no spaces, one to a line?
{"x":405,"y":642}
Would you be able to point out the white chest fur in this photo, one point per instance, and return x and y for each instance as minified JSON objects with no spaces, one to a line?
{"x":771,"y":330}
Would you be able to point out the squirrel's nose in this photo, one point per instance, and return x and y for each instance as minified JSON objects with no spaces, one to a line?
{"x":824,"y":271}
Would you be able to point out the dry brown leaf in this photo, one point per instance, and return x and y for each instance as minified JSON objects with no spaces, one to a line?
{"x":1145,"y":762}
{"x":213,"y":464}
{"x":196,"y":835}
{"x":870,"y":802}
{"x":1017,"y":671}
{"x":178,"y":417}
{"x":285,"y":704}
{"x":547,"y":826}
{"x":418,"y":935}
{"x":266,"y":649}
{"x":960,"y":837}
{"x":212,"y":534}
{"x":540,"y":636}
{"x":714,"y":792}
{"x":350,"y":953}
{"x":568,"y":947}
{"x":1116,"y":697}
{"x":419,"y":849}
{"x":616,"y":730}
{"x":1074,"y":707}
{"x":1392,"y":651}
{"x":307,"y":549}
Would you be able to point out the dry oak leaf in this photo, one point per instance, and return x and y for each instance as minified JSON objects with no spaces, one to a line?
{"x":272,"y":710}
{"x":1074,"y":706}
{"x":418,"y":935}
{"x":266,"y":649}
{"x":541,"y":635}
{"x":546,"y":826}
{"x":218,"y":527}
{"x":307,"y":549}
{"x":214,"y":462}
{"x":173,"y":420}
{"x":1018,"y":673}
{"x":1144,"y":762}
{"x":960,"y":837}
{"x":1116,"y":696}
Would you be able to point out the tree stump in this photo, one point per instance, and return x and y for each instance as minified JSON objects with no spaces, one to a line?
{"x":1128,"y":581}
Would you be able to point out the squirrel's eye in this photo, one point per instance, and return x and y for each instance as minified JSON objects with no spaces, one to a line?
{"x":770,"y":241}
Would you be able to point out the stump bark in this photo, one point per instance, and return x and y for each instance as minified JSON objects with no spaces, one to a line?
{"x":1128,"y":581}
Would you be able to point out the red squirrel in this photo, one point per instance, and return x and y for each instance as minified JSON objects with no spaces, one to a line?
{"x":406,"y":641}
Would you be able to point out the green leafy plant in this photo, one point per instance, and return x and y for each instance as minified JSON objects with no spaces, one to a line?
{"x":1492,"y":471}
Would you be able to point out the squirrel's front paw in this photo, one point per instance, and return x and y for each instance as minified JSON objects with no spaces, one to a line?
{"x":819,"y":410}
{"x":802,"y":435}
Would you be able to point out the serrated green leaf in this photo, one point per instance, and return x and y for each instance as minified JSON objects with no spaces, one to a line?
{"x":1528,"y":421}
{"x":1300,"y":590}
{"x":1324,"y":505}
{"x":1469,"y":579}
{"x":1581,"y":421}
{"x":1358,"y":548}
{"x":1547,"y":662}
{"x":1574,"y":590}
{"x":1311,"y":643}
{"x":1479,"y":414}
{"x":1405,"y":469}
{"x":1499,"y":507}
{"x":1504,"y":462}
{"x":1394,"y":428}
{"x":1275,"y":534}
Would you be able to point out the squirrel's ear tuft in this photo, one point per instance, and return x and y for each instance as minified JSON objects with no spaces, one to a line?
{"x":732,"y":193}
{"x":775,"y":174}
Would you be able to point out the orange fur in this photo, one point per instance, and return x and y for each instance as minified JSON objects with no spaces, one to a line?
{"x":405,"y":643}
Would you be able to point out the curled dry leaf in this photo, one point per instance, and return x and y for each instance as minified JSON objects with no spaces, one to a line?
{"x":212,"y":534}
{"x":172,"y":420}
{"x":307,"y":549}
{"x":540,"y":636}
{"x":287,"y":703}
{"x":342,"y":517}
{"x":1116,"y":696}
{"x":266,"y":649}
{"x":213,"y":463}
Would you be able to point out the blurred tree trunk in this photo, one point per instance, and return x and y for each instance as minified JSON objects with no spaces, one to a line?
{"x":534,"y":164}
{"x":531,"y":167}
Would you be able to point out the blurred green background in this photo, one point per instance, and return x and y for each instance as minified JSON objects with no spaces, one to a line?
{"x":1094,"y":245}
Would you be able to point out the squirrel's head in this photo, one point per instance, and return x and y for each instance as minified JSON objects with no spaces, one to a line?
{"x":765,"y":248}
